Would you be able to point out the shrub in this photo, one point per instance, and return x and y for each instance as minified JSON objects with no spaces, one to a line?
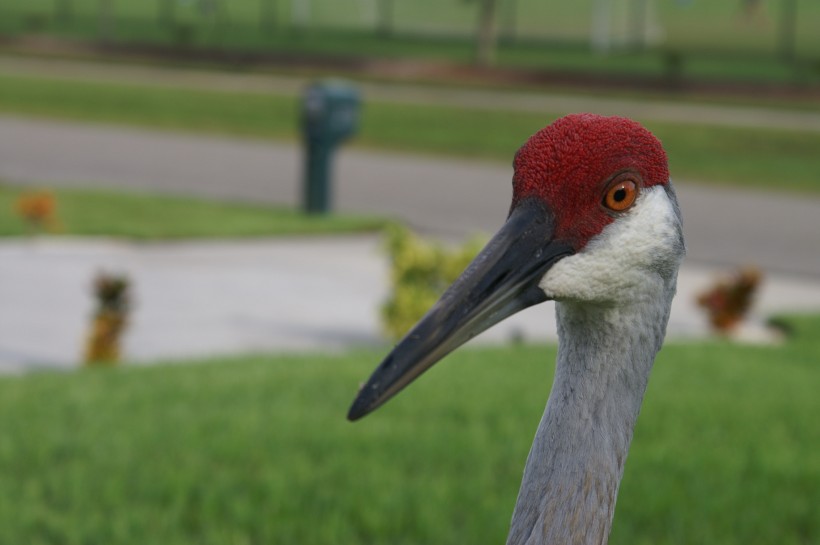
{"x":420,"y":272}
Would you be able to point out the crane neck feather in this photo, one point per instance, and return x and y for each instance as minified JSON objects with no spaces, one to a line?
{"x":577,"y":460}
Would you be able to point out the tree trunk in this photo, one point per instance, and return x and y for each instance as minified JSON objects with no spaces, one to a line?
{"x":166,"y":13}
{"x":385,"y":16}
{"x":106,"y":20}
{"x":486,"y":37}
{"x":267,"y":14}
{"x":788,"y":30}
{"x":64,"y":10}
{"x":510,"y":31}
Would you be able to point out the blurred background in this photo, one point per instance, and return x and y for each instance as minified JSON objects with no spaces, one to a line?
{"x":275,"y":190}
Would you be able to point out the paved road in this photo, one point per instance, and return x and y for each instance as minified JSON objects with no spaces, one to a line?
{"x":449,"y":198}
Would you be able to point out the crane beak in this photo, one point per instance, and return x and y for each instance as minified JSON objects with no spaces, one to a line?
{"x":502,"y":280}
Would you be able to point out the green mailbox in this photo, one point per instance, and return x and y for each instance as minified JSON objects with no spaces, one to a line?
{"x":330,"y":115}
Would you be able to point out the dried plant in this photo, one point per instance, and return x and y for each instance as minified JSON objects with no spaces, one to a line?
{"x":730,"y":299}
{"x":109,"y":321}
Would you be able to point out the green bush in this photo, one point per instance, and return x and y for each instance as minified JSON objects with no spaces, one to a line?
{"x":420,"y":272}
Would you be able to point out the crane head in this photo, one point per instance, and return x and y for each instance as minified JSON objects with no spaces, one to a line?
{"x":593,"y":219}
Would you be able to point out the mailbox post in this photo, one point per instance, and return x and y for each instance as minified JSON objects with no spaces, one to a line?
{"x":330,"y":115}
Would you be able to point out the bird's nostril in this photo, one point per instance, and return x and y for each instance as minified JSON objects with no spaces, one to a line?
{"x":499,"y":280}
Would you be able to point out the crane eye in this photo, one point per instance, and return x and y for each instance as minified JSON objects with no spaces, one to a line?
{"x":621,"y":195}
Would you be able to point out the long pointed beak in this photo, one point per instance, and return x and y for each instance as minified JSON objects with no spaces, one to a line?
{"x":501,"y":280}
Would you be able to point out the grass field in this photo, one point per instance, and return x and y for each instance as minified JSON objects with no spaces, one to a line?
{"x":716,"y":39}
{"x":739,"y":157}
{"x":256,"y":450}
{"x":718,"y":25}
{"x":148,"y":216}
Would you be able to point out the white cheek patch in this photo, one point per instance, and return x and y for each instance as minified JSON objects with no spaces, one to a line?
{"x":640,"y":248}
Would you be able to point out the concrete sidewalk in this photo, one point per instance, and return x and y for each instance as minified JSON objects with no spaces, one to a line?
{"x":203,"y":299}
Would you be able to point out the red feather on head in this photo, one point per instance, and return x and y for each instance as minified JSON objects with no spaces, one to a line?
{"x":568,"y":163}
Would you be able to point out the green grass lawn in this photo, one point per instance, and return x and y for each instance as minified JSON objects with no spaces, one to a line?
{"x":720,"y":25}
{"x":716,"y":39}
{"x":257,"y":450}
{"x":740,"y":157}
{"x":148,"y":216}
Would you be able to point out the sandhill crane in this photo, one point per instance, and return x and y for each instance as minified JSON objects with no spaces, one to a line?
{"x":595,"y":225}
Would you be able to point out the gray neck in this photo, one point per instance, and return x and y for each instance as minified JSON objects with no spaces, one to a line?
{"x":577,"y":459}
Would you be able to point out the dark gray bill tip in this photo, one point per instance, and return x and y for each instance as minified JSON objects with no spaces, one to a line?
{"x":359,"y":408}
{"x":367,"y":399}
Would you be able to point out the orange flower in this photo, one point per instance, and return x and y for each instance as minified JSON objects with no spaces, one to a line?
{"x":39,"y":209}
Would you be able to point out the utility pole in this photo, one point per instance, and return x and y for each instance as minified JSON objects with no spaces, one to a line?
{"x":601,"y":32}
{"x":300,"y":13}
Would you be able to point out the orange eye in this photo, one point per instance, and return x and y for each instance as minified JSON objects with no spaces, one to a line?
{"x":621,"y":195}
